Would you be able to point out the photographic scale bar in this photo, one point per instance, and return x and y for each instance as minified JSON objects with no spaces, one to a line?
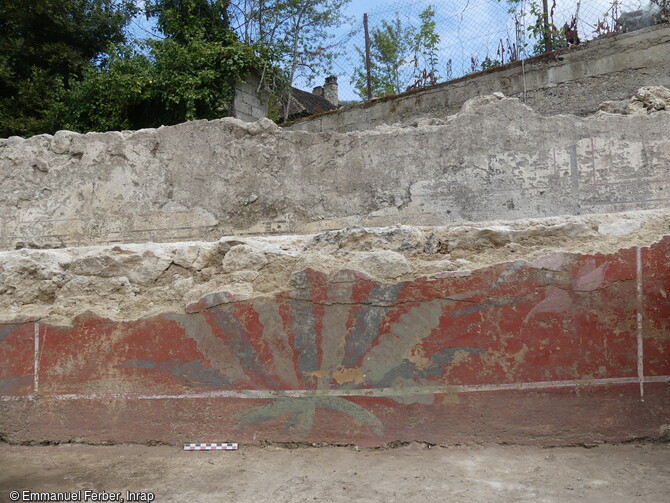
{"x":211,"y":447}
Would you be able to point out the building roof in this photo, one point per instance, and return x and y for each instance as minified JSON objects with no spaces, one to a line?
{"x":305,"y":103}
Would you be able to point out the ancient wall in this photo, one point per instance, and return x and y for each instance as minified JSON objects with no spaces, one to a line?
{"x":201,"y":180}
{"x":571,"y":81}
{"x":550,"y":332}
{"x":125,"y":316}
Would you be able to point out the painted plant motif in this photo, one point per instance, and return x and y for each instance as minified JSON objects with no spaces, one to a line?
{"x":324,"y":340}
{"x":330,"y":340}
{"x":349,"y":357}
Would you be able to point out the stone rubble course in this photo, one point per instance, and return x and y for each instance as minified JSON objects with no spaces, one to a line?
{"x":125,"y":282}
{"x":496,"y":159}
{"x":646,"y":100}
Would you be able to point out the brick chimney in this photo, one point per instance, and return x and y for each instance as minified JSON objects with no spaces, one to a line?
{"x":318,"y":91}
{"x":330,"y":90}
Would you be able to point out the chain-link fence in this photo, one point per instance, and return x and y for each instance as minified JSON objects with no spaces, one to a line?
{"x":414,"y":43}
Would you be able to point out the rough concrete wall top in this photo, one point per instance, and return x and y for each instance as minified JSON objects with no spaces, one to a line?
{"x":126,"y":282}
{"x":573,"y":80}
{"x":200,"y":180}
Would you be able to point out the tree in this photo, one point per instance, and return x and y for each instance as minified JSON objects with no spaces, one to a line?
{"x":185,"y":20}
{"x":425,"y":44}
{"x":290,"y":35}
{"x":116,"y":95}
{"x":389,"y":53}
{"x":189,"y":74}
{"x":198,"y":63}
{"x":44,"y":46}
{"x":537,"y":30}
{"x":294,"y":32}
{"x":394,"y":50}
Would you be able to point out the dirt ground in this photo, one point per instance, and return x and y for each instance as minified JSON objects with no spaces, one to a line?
{"x":411,"y":473}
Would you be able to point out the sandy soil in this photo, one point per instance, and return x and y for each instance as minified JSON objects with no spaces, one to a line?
{"x":412,"y":473}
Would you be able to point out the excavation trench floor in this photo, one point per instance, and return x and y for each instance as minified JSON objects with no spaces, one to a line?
{"x":413,"y":473}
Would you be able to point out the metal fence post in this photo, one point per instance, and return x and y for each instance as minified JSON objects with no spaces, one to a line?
{"x":547,"y":33}
{"x":367,"y":54}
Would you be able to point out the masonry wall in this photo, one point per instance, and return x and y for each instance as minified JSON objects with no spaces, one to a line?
{"x":551,"y":327}
{"x":571,"y":81}
{"x":249,"y":103}
{"x":324,"y":339}
{"x":201,"y":180}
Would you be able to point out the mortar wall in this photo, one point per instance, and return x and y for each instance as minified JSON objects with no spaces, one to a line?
{"x":571,"y":81}
{"x":497,"y":159}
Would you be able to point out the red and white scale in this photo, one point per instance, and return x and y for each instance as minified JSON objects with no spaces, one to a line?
{"x":211,"y":446}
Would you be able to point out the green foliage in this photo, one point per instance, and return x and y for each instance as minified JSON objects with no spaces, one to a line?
{"x":295,"y":35}
{"x":490,"y":63}
{"x":389,"y":52}
{"x":24,"y":101}
{"x":65,"y":64}
{"x":536,"y":29}
{"x":46,"y":44}
{"x":393,"y":47}
{"x":294,"y":32}
{"x":173,"y":83}
{"x":425,"y":44}
{"x":115,"y":96}
{"x":185,"y":20}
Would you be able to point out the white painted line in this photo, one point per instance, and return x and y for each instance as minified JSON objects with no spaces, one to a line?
{"x":36,"y":365}
{"x":640,"y":308}
{"x":371,"y":392}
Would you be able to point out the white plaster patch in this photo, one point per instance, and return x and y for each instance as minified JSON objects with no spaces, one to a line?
{"x":619,"y":227}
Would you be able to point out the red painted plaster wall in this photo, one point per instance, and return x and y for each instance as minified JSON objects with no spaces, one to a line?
{"x":570,"y":348}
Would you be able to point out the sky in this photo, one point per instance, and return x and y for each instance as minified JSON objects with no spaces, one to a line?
{"x":470,"y":30}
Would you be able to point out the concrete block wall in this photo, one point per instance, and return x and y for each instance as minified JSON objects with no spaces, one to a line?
{"x":250,"y":104}
{"x":571,"y":81}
